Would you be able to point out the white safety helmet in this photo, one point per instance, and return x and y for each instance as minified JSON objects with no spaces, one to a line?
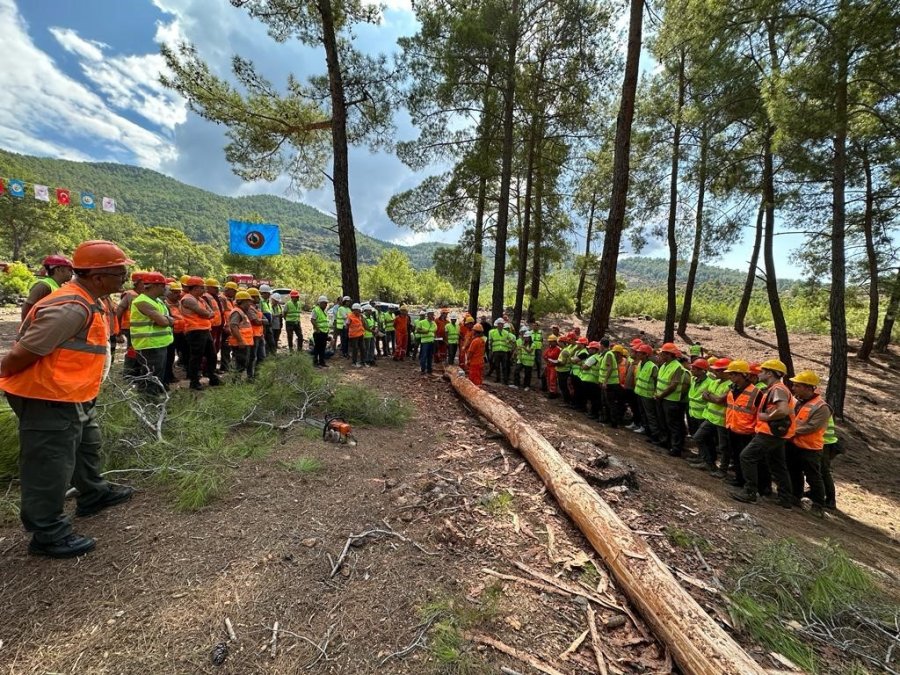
{"x":367,"y":308}
{"x":322,"y":298}
{"x":454,"y":316}
{"x":429,"y":311}
{"x":355,"y":306}
{"x":523,"y":329}
{"x":498,"y":322}
{"x":346,"y":298}
{"x":526,"y":334}
{"x":265,"y":288}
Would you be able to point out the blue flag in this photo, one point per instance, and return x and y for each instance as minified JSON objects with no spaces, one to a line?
{"x":16,"y":188}
{"x":87,"y":200}
{"x":254,"y":238}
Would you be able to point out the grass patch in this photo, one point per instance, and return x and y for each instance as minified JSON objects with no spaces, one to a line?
{"x":590,"y":576}
{"x":452,"y":617}
{"x":9,"y":441}
{"x":686,"y":539}
{"x":497,"y":503}
{"x":305,"y":465}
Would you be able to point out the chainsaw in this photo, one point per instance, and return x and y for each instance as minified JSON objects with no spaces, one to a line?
{"x":337,"y":430}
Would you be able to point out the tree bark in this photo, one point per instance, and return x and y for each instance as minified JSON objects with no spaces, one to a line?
{"x":536,"y":263}
{"x":478,"y":248}
{"x":341,"y":169}
{"x":887,"y":328}
{"x":744,"y":304}
{"x":525,"y":230}
{"x":587,"y":257}
{"x":509,"y":95}
{"x":698,"y":238}
{"x":868,"y":342}
{"x":605,"y":293}
{"x":697,"y":643}
{"x":672,"y":281}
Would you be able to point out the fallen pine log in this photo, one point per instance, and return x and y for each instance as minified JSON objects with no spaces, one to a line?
{"x":697,"y":643}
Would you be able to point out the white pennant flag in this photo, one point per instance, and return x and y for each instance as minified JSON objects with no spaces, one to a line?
{"x":42,"y":193}
{"x":109,"y":204}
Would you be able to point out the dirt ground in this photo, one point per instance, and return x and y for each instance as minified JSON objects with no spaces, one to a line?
{"x":154,"y":595}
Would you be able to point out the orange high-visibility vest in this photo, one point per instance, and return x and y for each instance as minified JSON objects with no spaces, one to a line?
{"x":130,"y":294}
{"x":740,"y":414}
{"x":72,"y":372}
{"x":111,"y":318}
{"x":213,"y":305}
{"x":192,"y":320}
{"x":175,"y":311}
{"x":227,"y":305}
{"x":245,"y":328}
{"x":763,"y":427}
{"x":814,"y":440}
{"x":256,"y":314}
{"x":355,"y":325}
{"x":623,"y":371}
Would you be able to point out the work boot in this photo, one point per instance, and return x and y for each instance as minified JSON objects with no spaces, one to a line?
{"x":817,"y":510}
{"x":747,"y":496}
{"x":214,"y":381}
{"x":786,"y":502}
{"x":717,"y":473}
{"x":196,"y":386}
{"x":674,"y":453}
{"x":116,"y":495}
{"x":831,"y":506}
{"x":734,"y":482}
{"x":70,"y":546}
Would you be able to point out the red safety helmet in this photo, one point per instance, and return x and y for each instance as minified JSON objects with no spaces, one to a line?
{"x":671,"y":348}
{"x":97,"y":253}
{"x":56,"y":261}
{"x":582,"y":340}
{"x":153,"y":278}
{"x":720,"y":364}
{"x":295,"y":294}
{"x":702,"y":364}
{"x":644,"y":349}
{"x":593,"y":345}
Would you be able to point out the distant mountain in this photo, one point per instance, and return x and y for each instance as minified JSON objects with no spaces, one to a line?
{"x":641,"y":271}
{"x":157,"y":200}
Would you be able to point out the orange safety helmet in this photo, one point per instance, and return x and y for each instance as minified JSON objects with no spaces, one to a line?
{"x":153,"y":278}
{"x":583,"y":341}
{"x":478,"y":328}
{"x":702,"y":364}
{"x":721,"y":364}
{"x":194,"y":281}
{"x":671,"y":348}
{"x":644,"y":349}
{"x":295,"y":294}
{"x":98,"y":253}
{"x":592,"y":345}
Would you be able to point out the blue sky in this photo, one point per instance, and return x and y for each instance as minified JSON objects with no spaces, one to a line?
{"x":80,"y":82}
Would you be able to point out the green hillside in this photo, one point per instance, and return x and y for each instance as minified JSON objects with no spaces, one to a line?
{"x":153,"y":199}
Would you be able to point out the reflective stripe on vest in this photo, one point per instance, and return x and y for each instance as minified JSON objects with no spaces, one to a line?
{"x":192,"y":320}
{"x":589,"y":370}
{"x":814,"y":440}
{"x":245,"y":328}
{"x":72,"y":372}
{"x":763,"y":427}
{"x":145,"y":334}
{"x":227,"y":305}
{"x":608,"y":372}
{"x":254,"y":313}
{"x":715,"y":412}
{"x":581,"y":355}
{"x":537,"y":340}
{"x":643,"y":384}
{"x":369,"y":326}
{"x":696,"y":403}
{"x":526,"y":356}
{"x":292,"y":311}
{"x":667,"y":373}
{"x":498,"y":341}
{"x":387,"y":319}
{"x":740,"y":415}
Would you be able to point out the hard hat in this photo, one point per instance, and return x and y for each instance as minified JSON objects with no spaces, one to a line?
{"x":137,"y":276}
{"x":193,"y":281}
{"x":591,"y":345}
{"x":619,"y":349}
{"x":402,"y":308}
{"x":738,"y":367}
{"x":429,"y":311}
{"x":644,"y":349}
{"x":213,"y":283}
{"x":232,"y":285}
{"x":702,"y":364}
{"x":526,"y":335}
{"x":636,"y":342}
{"x":154,"y":278}
{"x":56,"y":261}
{"x":523,"y":329}
{"x":671,"y":348}
{"x":552,"y":338}
{"x":478,"y":328}
{"x":346,"y":298}
{"x":469,"y":319}
{"x":265,"y":288}
{"x":720,"y":364}
{"x":253,"y":292}
{"x":774,"y":364}
{"x":169,"y":280}
{"x":321,"y":299}
{"x":583,"y":341}
{"x":806,"y":377}
{"x":355,"y":305}
{"x":242,"y":295}
{"x":184,"y":278}
{"x":99,"y":253}
{"x":367,"y":308}
{"x":498,"y":322}
{"x":175,"y":286}
{"x":454,"y":316}
{"x":295,"y":294}
{"x":755,"y":368}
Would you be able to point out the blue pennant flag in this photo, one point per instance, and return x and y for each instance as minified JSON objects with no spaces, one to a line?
{"x":16,"y":188}
{"x":87,"y":200}
{"x":254,"y":238}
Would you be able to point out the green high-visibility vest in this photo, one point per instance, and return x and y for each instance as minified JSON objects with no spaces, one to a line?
{"x":608,"y":369}
{"x":387,"y":319}
{"x":340,"y":317}
{"x":368,"y":326}
{"x":498,"y":340}
{"x":643,"y":383}
{"x":696,"y":403}
{"x":830,"y":433}
{"x":452,"y":331}
{"x":669,"y":372}
{"x":49,"y":281}
{"x":589,"y":370}
{"x":564,"y":360}
{"x":319,"y":320}
{"x":715,"y":412}
{"x":578,"y":366}
{"x":537,"y":340}
{"x":266,"y":307}
{"x":292,"y":310}
{"x":696,"y":350}
{"x":425,"y":330}
{"x":526,"y":356}
{"x":144,"y":333}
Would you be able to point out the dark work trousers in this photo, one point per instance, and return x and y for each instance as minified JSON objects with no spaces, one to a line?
{"x":200,"y":351}
{"x":736,"y":445}
{"x":539,"y":363}
{"x":129,"y":365}
{"x":276,"y":338}
{"x":579,"y":393}
{"x":830,"y":451}
{"x":802,"y":463}
{"x":651,"y":418}
{"x":451,"y":353}
{"x":632,"y":400}
{"x":181,"y":349}
{"x":259,"y":344}
{"x":712,"y":441}
{"x":151,"y":373}
{"x":293,"y":330}
{"x":693,"y":424}
{"x":320,"y":341}
{"x":500,"y":366}
{"x":562,"y":381}
{"x":769,"y":449}
{"x":244,"y":361}
{"x":523,"y":375}
{"x":369,"y":349}
{"x":169,"y":376}
{"x":673,"y":418}
{"x":215,"y":335}
{"x":356,"y":349}
{"x":388,"y":342}
{"x":614,"y":404}
{"x":59,"y":443}
{"x":345,"y":341}
{"x":426,"y":357}
{"x":269,"y":337}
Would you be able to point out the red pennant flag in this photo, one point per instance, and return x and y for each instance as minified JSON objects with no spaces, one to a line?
{"x":2,"y":186}
{"x":62,"y":197}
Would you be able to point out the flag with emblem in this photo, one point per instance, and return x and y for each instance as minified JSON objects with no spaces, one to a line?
{"x":63,"y":198}
{"x":16,"y":188}
{"x":87,"y":200}
{"x":108,"y":204}
{"x":253,"y":238}
{"x":42,"y":193}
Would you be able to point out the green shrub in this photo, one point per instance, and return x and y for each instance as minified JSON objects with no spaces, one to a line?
{"x":9,"y":441}
{"x":360,"y":405}
{"x":15,"y":283}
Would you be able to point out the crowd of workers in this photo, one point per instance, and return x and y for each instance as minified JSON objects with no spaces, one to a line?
{"x":749,"y":426}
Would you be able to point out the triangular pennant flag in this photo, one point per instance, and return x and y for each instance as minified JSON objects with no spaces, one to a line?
{"x":63,"y":198}
{"x":109,"y":204}
{"x":42,"y":193}
{"x":87,"y":200}
{"x":16,"y":188}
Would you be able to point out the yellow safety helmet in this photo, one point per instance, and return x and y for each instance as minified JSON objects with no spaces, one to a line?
{"x":774,"y":364}
{"x":230,"y":284}
{"x":738,"y":367}
{"x":242,"y":295}
{"x":184,"y":278}
{"x":253,"y":292}
{"x":211,"y":282}
{"x":175,"y":286}
{"x":619,"y":349}
{"x":805,"y":377}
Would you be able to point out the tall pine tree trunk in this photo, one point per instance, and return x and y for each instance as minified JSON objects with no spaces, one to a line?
{"x":509,"y":94}
{"x":698,"y":238}
{"x":887,"y":328}
{"x":341,"y":170}
{"x":744,"y":304}
{"x":579,"y":295}
{"x":605,"y":293}
{"x":868,"y":342}
{"x":478,"y":246}
{"x":672,"y":281}
{"x":524,"y":231}
{"x":536,"y":270}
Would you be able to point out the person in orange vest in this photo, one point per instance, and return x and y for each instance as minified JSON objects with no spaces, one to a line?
{"x":355,"y":331}
{"x":775,"y":424}
{"x":551,"y":358}
{"x":240,"y":336}
{"x":440,"y":336}
{"x":217,"y":322}
{"x":741,"y":405}
{"x":475,"y":355}
{"x":178,"y":348}
{"x":197,"y":321}
{"x":804,"y":451}
{"x":226,"y":304}
{"x":57,"y":271}
{"x":401,"y":333}
{"x":51,"y":377}
{"x":465,"y":332}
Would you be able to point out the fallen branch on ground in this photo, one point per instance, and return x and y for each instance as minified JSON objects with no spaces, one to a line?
{"x":368,"y":533}
{"x":532,"y":661}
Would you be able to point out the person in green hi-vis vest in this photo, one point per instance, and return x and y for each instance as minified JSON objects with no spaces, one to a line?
{"x":451,"y":331}
{"x":425,"y":330}
{"x":58,"y":271}
{"x":321,"y":327}
{"x":293,"y":308}
{"x":151,"y":334}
